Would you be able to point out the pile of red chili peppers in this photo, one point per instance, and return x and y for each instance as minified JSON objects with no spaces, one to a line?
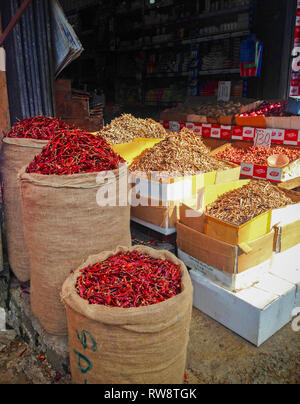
{"x":38,"y":127}
{"x":75,"y":151}
{"x":256,"y":154}
{"x":129,"y":279}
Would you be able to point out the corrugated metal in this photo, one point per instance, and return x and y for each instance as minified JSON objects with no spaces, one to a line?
{"x":30,"y":78}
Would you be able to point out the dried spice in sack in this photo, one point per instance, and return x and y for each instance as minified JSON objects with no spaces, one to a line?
{"x":38,"y":127}
{"x":181,"y":153}
{"x":75,"y":151}
{"x":126,"y":128}
{"x":129,"y":279}
{"x":243,"y":204}
{"x":256,"y":154}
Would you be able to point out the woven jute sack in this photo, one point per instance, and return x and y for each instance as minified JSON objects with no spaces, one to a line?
{"x":63,"y":225}
{"x":15,"y":154}
{"x":143,"y":345}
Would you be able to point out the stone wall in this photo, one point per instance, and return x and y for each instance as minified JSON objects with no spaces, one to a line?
{"x":15,"y":300}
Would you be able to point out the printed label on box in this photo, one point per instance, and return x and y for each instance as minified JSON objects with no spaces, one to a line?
{"x":248,"y":133}
{"x":274,"y":174}
{"x":174,"y":126}
{"x":190,"y":125}
{"x":277,"y":135}
{"x":237,"y":132}
{"x":260,"y":171}
{"x":216,"y":131}
{"x":247,"y":169}
{"x":225,"y":132}
{"x":291,"y":137}
{"x":198,"y":129}
{"x":206,"y":130}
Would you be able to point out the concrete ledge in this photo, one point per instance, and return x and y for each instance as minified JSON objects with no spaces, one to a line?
{"x":15,"y":299}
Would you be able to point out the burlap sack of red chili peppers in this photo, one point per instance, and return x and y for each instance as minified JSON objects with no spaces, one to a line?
{"x":63,"y":224}
{"x":129,"y":345}
{"x":16,"y":153}
{"x":20,"y":145}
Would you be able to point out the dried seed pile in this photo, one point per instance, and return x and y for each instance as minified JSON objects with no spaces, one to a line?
{"x":241,"y":205}
{"x":181,"y":153}
{"x":38,"y":127}
{"x":126,"y":128}
{"x":129,"y":279}
{"x":75,"y":151}
{"x":256,"y":154}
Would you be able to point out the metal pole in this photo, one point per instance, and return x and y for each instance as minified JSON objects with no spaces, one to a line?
{"x":14,"y":21}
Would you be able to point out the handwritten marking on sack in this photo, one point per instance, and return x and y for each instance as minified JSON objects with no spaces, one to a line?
{"x":83,"y":340}
{"x":88,"y":342}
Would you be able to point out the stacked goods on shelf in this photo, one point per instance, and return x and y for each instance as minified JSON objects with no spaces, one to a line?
{"x":242,"y":114}
{"x":70,"y":211}
{"x":170,"y":171}
{"x":269,"y":114}
{"x":226,"y":239}
{"x":128,"y":300}
{"x":20,"y":145}
{"x":275,"y":163}
{"x":72,"y":105}
{"x":207,"y":110}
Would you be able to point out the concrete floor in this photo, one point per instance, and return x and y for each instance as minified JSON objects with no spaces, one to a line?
{"x":215,"y":356}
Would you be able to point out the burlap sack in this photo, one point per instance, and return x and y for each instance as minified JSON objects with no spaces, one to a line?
{"x":14,"y":155}
{"x":63,"y":225}
{"x":143,"y":345}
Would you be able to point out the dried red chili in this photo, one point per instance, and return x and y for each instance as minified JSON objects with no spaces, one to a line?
{"x":75,"y":151}
{"x":129,"y":279}
{"x":38,"y":127}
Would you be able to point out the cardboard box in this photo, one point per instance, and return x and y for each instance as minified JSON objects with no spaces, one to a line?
{"x":283,"y":218}
{"x":192,"y":214}
{"x":262,"y":171}
{"x":166,"y":231}
{"x":159,"y":218}
{"x":286,"y":266}
{"x":172,"y":189}
{"x":255,"y":313}
{"x":287,"y":236}
{"x":291,"y":185}
{"x":287,"y":232}
{"x":230,"y":233}
{"x":233,"y":234}
{"x":253,"y":121}
{"x":283,"y":122}
{"x":170,"y":192}
{"x":235,"y":267}
{"x":234,"y":282}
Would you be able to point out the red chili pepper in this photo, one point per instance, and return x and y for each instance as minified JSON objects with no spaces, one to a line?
{"x":129,"y":279}
{"x":38,"y":127}
{"x":75,"y":151}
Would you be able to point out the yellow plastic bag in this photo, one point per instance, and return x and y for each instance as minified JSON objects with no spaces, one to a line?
{"x":130,"y":151}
